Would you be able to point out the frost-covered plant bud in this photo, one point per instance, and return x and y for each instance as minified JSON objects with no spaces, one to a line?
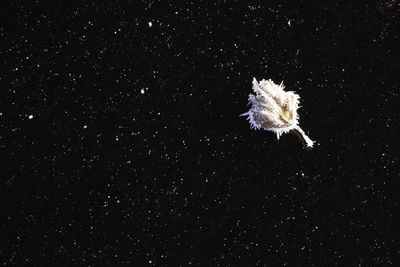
{"x":274,"y":109}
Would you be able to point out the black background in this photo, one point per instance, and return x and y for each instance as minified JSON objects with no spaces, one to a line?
{"x":135,"y":153}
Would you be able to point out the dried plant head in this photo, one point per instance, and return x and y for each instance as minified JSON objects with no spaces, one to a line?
{"x":274,"y":109}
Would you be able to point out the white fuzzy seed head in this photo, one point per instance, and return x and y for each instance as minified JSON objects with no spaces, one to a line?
{"x":274,"y":109}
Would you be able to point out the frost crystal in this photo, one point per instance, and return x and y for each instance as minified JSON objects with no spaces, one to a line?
{"x":274,"y":109}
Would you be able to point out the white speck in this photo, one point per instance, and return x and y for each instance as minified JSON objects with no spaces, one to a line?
{"x":289,"y":23}
{"x":30,"y":117}
{"x":142,"y":91}
{"x":150,"y":24}
{"x":84,"y":126}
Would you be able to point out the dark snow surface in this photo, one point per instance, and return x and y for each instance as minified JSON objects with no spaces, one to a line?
{"x":121,"y":141}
